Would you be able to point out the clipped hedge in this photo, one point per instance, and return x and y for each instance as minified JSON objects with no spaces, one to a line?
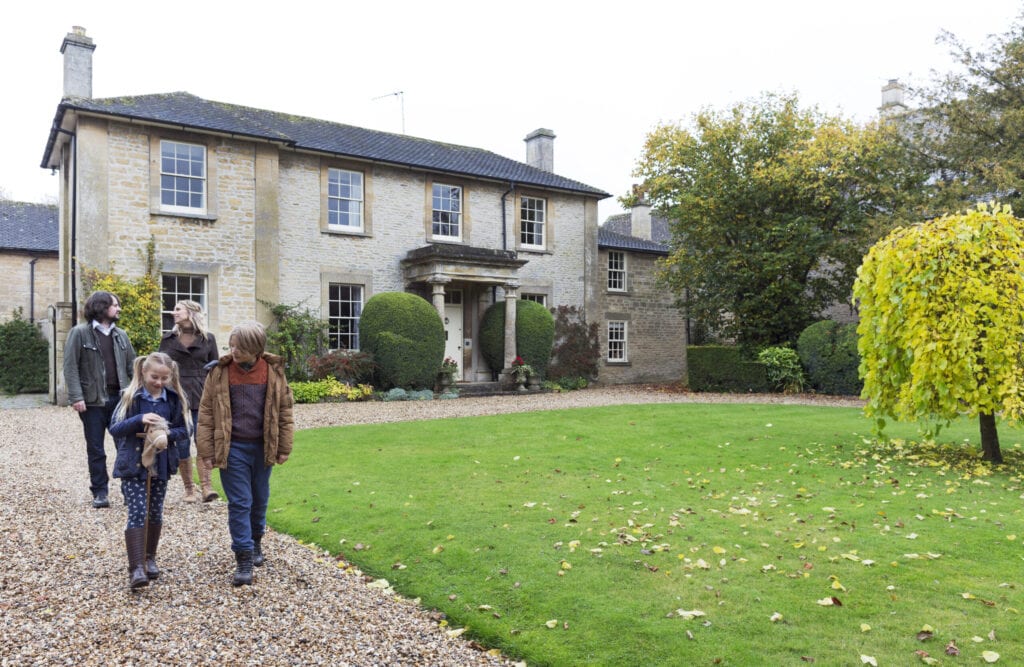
{"x":723,"y":368}
{"x":535,"y":335}
{"x":405,"y":335}
{"x":828,"y":352}
{"x":23,"y":357}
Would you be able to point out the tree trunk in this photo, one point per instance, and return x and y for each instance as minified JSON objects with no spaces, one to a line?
{"x":989,"y":439}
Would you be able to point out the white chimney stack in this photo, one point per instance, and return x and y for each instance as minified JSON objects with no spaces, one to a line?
{"x":540,"y":149}
{"x":77,"y":49}
{"x":892,"y":97}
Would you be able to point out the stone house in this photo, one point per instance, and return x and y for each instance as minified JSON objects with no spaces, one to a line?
{"x":28,"y":259}
{"x":248,"y":207}
{"x":644,"y":332}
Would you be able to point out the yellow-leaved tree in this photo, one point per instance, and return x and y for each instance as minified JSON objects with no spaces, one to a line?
{"x":941,"y":331}
{"x":139,"y":297}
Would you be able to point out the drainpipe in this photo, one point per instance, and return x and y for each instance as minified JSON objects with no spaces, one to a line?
{"x":32,"y":290}
{"x":504,"y":225}
{"x":74,"y":228}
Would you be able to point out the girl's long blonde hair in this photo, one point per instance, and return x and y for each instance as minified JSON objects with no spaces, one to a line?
{"x":138,"y":371}
{"x":195,"y":315}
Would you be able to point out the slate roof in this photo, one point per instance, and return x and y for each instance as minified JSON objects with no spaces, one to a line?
{"x":28,"y":227}
{"x":185,"y":110}
{"x":617,"y":234}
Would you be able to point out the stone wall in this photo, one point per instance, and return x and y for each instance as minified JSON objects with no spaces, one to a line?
{"x":17,"y":271}
{"x":656,"y":328}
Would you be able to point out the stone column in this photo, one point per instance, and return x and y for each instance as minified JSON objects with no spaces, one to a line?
{"x":437,"y":283}
{"x":511,"y":297}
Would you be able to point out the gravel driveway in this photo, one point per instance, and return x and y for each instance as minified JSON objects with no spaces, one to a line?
{"x":64,"y":598}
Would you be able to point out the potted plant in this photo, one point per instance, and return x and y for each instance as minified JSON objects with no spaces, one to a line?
{"x":521,"y":371}
{"x":446,"y":375}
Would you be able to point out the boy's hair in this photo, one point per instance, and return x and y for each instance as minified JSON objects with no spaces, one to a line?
{"x":97,"y":304}
{"x":138,"y":372}
{"x":249,"y":337}
{"x":195,"y":315}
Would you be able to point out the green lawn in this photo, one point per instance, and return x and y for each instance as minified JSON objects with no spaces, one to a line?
{"x":609,"y":523}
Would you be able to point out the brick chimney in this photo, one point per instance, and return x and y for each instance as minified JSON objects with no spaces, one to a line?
{"x":77,"y":49}
{"x":640,"y":215}
{"x":540,"y":149}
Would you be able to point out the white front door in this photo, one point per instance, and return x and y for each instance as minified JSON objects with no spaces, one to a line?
{"x":453,"y":328}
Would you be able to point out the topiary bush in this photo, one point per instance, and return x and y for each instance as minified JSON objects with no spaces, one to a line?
{"x":828,"y":352}
{"x":405,"y":335}
{"x":535,"y":335}
{"x":23,"y":357}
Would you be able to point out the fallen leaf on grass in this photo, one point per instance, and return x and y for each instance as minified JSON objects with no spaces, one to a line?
{"x":553,"y":623}
{"x":830,"y":601}
{"x":951,"y":649}
{"x":864,"y":627}
{"x":868,"y":660}
{"x":925,"y":658}
{"x":776,"y":617}
{"x":989,"y":656}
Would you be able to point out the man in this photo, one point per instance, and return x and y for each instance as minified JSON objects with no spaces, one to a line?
{"x":98,"y":360}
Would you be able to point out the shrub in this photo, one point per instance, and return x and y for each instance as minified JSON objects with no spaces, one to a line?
{"x":535,"y":333}
{"x":828,"y":352}
{"x":140,"y":300}
{"x":297,"y":334}
{"x":576,"y":350}
{"x":23,"y":356}
{"x":783,"y":367}
{"x":350,"y":366}
{"x":723,"y":368}
{"x":570,"y":383}
{"x":405,"y":335}
{"x":319,"y":390}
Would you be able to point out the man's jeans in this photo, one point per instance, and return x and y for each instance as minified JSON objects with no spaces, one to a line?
{"x":95,"y":421}
{"x":246,"y":483}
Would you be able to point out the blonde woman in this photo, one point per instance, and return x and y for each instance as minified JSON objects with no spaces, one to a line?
{"x":153,"y":400}
{"x":191,"y":346}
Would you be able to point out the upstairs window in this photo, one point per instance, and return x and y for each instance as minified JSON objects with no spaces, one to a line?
{"x":182,"y":177}
{"x":447,"y":211}
{"x":616,"y":271}
{"x":345,"y":199}
{"x":532,"y":216}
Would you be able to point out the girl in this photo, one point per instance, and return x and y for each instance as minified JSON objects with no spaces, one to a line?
{"x":192,"y":347}
{"x":153,"y":397}
{"x":245,"y":428}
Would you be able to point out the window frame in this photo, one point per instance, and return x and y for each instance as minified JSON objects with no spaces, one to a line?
{"x":542,"y":223}
{"x":202,"y":296}
{"x":435,"y":212}
{"x":361,"y":200}
{"x":536,"y":297}
{"x":617,"y":275}
{"x":353,"y":331}
{"x":203,"y":179}
{"x":618,"y":347}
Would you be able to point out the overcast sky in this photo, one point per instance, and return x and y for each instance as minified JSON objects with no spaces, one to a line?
{"x":600,"y":74}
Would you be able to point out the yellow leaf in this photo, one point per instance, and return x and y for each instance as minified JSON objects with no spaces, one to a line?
{"x":838,"y":586}
{"x":868,"y":660}
{"x":718,"y":550}
{"x":776,"y":617}
{"x":864,"y":627}
{"x":553,"y":623}
{"x":989,"y":656}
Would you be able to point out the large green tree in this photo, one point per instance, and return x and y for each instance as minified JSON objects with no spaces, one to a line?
{"x":941,"y":331}
{"x":771,"y":207}
{"x":970,"y":122}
